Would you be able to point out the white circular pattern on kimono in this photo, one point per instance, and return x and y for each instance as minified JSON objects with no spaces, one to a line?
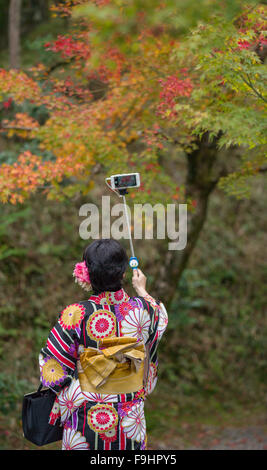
{"x":101,"y":299}
{"x":73,"y":440}
{"x":163,"y":320}
{"x":102,"y":417}
{"x":41,"y":360}
{"x":101,"y":324}
{"x":70,"y":398}
{"x":109,"y":436}
{"x":134,"y":423}
{"x":116,"y":297}
{"x":136,"y":323}
{"x":100,"y":397}
{"x":152,"y":378}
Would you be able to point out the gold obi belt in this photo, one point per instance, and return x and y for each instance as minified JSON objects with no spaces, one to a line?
{"x":116,"y":367}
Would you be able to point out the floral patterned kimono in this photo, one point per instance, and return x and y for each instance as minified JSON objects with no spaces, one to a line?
{"x":101,"y":360}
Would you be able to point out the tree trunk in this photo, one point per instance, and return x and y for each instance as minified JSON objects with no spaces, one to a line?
{"x":204,"y":169}
{"x":44,"y":7}
{"x":14,"y":33}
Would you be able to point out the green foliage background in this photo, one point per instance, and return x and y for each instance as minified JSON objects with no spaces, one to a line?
{"x":213,"y":355}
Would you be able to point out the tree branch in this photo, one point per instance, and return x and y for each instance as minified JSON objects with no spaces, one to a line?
{"x":250,"y":85}
{"x":16,"y":128}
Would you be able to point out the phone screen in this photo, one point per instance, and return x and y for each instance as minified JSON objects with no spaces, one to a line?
{"x":125,"y":181}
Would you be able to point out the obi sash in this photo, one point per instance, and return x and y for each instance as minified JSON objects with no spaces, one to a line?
{"x":116,"y":366}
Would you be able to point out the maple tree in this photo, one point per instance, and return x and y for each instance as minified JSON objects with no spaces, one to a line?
{"x":150,"y":86}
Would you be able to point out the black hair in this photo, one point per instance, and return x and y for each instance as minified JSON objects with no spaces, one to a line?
{"x":106,"y":261}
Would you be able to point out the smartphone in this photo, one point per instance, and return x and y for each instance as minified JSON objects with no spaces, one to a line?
{"x":129,"y":180}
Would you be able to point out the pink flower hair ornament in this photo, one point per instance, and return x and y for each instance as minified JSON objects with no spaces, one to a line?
{"x":81,"y":275}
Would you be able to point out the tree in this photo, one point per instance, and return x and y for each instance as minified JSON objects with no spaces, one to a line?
{"x":164,"y":90}
{"x":14,"y":33}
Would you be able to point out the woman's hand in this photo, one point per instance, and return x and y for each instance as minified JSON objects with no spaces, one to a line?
{"x":139,"y":282}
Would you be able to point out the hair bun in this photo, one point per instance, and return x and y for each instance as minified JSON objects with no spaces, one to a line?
{"x":106,"y":261}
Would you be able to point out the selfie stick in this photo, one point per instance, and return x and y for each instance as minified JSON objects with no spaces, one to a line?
{"x":133,"y":262}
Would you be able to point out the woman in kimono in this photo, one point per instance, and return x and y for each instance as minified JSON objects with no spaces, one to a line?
{"x":101,"y":356}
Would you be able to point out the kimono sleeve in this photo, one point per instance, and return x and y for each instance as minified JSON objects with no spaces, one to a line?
{"x":158,"y":325}
{"x":57,"y":359}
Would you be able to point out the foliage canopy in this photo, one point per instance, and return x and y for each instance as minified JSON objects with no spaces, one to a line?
{"x":130,"y":82}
